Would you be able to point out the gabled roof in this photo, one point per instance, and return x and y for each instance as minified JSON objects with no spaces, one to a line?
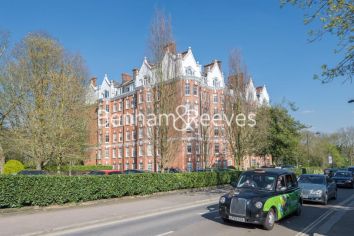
{"x":211,"y":65}
{"x":184,"y":53}
{"x":259,"y":89}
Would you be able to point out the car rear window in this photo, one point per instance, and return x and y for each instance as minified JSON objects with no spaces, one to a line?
{"x":311,"y":179}
{"x":342,"y":174}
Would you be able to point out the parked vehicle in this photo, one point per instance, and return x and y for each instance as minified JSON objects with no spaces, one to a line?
{"x":134,"y":172}
{"x":317,"y":188}
{"x":330,"y":172}
{"x":32,"y":172}
{"x":173,"y":170}
{"x":351,"y":169}
{"x":262,"y":196}
{"x":344,"y":179}
{"x":104,"y":172}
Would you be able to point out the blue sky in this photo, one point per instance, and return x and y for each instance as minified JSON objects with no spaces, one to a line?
{"x":112,"y":37}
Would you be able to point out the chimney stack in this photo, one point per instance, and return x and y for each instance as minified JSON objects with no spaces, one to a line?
{"x":126,"y":77}
{"x":219,"y":64}
{"x":93,"y":81}
{"x":170,"y":47}
{"x":135,"y":73}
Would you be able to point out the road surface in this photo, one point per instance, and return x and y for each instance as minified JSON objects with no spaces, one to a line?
{"x":200,"y":217}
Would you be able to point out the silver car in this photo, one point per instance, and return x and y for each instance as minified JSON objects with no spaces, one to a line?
{"x":317,"y":188}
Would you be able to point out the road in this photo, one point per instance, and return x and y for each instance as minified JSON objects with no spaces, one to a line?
{"x":204,"y":220}
{"x":199,"y":218}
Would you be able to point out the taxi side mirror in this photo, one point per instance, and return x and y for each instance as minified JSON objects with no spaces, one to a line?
{"x":234,"y":184}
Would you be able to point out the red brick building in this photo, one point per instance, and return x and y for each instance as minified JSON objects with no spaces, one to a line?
{"x":121,"y":137}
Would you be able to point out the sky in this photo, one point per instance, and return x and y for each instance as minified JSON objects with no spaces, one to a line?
{"x":112,"y":37}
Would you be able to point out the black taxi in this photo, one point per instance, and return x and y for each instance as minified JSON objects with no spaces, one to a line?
{"x":262,"y":196}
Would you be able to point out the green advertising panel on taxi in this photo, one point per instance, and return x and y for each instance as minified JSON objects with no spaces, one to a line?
{"x":262,"y":196}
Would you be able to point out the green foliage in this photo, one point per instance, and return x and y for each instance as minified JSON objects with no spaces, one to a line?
{"x":18,"y":191}
{"x":337,"y":158}
{"x":315,"y":148}
{"x":78,"y":168}
{"x":335,"y":18}
{"x":309,"y":170}
{"x":13,"y":166}
{"x":284,"y":136}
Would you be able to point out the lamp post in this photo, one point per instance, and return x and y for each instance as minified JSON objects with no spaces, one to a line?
{"x":308,"y":149}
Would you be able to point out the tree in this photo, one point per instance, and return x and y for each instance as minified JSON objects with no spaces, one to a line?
{"x":164,"y":88}
{"x":3,"y":100}
{"x":284,"y":136}
{"x":48,"y":122}
{"x":260,"y":139}
{"x":344,"y":139}
{"x":238,"y":135}
{"x":336,"y":18}
{"x":204,"y":139}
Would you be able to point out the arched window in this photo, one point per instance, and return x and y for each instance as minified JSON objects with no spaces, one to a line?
{"x":189,"y":71}
{"x":216,"y":83}
{"x":147,"y":80}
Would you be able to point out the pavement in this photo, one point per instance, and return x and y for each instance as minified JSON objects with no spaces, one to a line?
{"x":178,"y":213}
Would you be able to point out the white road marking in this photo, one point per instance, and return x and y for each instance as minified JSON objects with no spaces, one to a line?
{"x":163,"y":234}
{"x":311,"y":226}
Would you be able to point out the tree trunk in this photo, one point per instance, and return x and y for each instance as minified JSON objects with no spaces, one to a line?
{"x":70,"y":167}
{"x":2,"y":160}
{"x":39,"y":165}
{"x":59,"y":168}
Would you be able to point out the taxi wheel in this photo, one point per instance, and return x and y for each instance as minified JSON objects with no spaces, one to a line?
{"x":270,"y":220}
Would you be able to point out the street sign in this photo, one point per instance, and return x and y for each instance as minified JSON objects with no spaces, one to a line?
{"x":329,"y":159}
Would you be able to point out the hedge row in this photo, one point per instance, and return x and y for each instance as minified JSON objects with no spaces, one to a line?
{"x":17,"y":191}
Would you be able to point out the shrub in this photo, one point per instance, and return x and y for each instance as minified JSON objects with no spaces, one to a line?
{"x":13,"y":166}
{"x":17,"y":191}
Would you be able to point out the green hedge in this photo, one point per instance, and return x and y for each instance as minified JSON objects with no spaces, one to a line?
{"x":17,"y":191}
{"x":78,"y":168}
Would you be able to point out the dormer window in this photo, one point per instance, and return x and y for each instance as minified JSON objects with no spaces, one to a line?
{"x":216,"y":83}
{"x":106,"y":94}
{"x":146,"y":80}
{"x":189,"y":71}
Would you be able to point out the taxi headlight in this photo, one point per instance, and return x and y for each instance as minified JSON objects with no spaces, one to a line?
{"x":222,"y":200}
{"x":258,"y":205}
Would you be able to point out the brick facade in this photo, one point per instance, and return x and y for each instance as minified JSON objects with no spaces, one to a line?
{"x":124,"y":141}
